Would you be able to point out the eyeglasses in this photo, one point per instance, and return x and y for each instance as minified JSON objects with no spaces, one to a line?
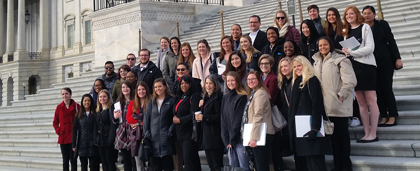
{"x":109,"y":67}
{"x":144,"y":55}
{"x":251,"y":79}
{"x":265,"y":63}
{"x":180,"y":69}
{"x":131,"y":59}
{"x":278,"y":18}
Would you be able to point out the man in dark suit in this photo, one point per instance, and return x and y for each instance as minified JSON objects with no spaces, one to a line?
{"x":258,"y":37}
{"x":146,"y":71}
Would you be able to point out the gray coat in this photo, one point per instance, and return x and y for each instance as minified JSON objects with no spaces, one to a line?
{"x":168,"y":67}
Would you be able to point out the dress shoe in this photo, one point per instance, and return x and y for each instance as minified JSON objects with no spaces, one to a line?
{"x":359,"y":140}
{"x":369,"y":141}
{"x":389,"y":125}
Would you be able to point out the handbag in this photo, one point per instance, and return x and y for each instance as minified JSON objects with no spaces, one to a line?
{"x":232,"y":156}
{"x":145,"y":150}
{"x":328,"y":125}
{"x":279,"y":122}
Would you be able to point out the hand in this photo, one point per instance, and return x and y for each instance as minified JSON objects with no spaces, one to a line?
{"x":199,"y":117}
{"x":252,"y":143}
{"x":346,"y":52}
{"x":201,"y":103}
{"x":134,"y":126}
{"x":74,"y":149}
{"x":224,"y":77}
{"x":229,"y":146}
{"x":339,"y":98}
{"x":398,"y":63}
{"x":176,"y":120}
{"x":311,"y":135}
{"x":117,"y":114}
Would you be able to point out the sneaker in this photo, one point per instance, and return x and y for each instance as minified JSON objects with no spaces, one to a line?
{"x":354,"y":122}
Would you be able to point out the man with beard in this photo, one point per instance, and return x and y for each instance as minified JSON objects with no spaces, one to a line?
{"x":110,"y":77}
{"x":146,"y":71}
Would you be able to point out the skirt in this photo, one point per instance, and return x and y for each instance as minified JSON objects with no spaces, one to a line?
{"x":365,"y":75}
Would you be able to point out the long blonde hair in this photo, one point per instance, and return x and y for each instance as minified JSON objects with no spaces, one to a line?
{"x":307,"y":72}
{"x":280,"y":76}
{"x":286,"y":19}
{"x":99,"y":106}
{"x":251,"y":52}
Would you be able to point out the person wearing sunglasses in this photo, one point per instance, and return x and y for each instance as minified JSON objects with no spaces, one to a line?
{"x":131,"y":60}
{"x":286,"y":30}
{"x":110,"y":77}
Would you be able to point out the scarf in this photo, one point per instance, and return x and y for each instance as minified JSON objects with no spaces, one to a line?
{"x":245,"y":115}
{"x":283,"y":30}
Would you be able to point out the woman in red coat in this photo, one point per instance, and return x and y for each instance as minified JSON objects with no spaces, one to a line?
{"x":63,"y":125}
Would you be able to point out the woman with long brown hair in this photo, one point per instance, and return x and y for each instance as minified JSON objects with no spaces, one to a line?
{"x":250,"y":54}
{"x":334,"y":27}
{"x":219,"y":64}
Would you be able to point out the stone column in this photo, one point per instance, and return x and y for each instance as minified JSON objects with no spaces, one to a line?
{"x":2,"y":24}
{"x":21,"y":53}
{"x":10,"y":38}
{"x":44,"y":43}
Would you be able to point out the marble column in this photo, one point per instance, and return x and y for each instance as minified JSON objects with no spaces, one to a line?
{"x":10,"y":37}
{"x":21,"y":53}
{"x":44,"y":43}
{"x":2,"y":24}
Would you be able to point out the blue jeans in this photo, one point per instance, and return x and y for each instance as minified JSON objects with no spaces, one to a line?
{"x":237,"y":156}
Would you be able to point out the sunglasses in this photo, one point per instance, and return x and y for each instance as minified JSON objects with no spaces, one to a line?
{"x":180,"y":69}
{"x":131,"y":59}
{"x":109,"y":67}
{"x":278,"y":18}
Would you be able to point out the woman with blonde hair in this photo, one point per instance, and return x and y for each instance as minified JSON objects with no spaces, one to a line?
{"x":286,"y":30}
{"x":201,"y":65}
{"x":307,"y":100}
{"x":250,"y":54}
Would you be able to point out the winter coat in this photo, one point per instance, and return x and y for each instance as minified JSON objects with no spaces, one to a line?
{"x":84,"y":135}
{"x":136,"y":135}
{"x":214,"y":68}
{"x":168,"y":67}
{"x":233,"y":106}
{"x":109,"y":82}
{"x":161,"y":57}
{"x":276,"y":52}
{"x":105,"y":128}
{"x":184,"y":110}
{"x":211,"y":127}
{"x":292,"y":34}
{"x":63,"y":121}
{"x":307,"y":101}
{"x":308,"y":48}
{"x":260,"y":40}
{"x":337,"y":80}
{"x":386,"y":49}
{"x":201,"y":71}
{"x":253,"y":65}
{"x":364,"y":54}
{"x":148,"y":75}
{"x":116,"y":91}
{"x":158,"y":126}
{"x":285,"y":97}
{"x":259,"y":111}
{"x":272,"y":85}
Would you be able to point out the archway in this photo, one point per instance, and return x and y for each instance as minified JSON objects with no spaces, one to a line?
{"x":33,"y":83}
{"x":9,"y":91}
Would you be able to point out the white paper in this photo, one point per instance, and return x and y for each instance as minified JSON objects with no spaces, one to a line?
{"x":350,"y":43}
{"x":303,"y":125}
{"x":220,"y":68}
{"x":247,"y":134}
{"x":117,"y":106}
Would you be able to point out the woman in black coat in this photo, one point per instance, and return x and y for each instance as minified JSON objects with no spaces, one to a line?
{"x":211,"y":140}
{"x":274,"y":47}
{"x":308,"y":38}
{"x":307,"y":99}
{"x":186,"y":106}
{"x":83,"y":133}
{"x":158,"y":126}
{"x":387,"y":58}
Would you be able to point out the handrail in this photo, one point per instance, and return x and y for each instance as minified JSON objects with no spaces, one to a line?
{"x":104,"y":4}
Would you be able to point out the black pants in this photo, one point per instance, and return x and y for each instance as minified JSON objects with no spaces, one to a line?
{"x":276,"y":151}
{"x":356,"y":110}
{"x":385,"y":96}
{"x":215,"y":158}
{"x":262,"y":155}
{"x":340,"y":142}
{"x":67,"y":154}
{"x":161,"y":163}
{"x":129,"y":165}
{"x":190,"y":155}
{"x":93,"y":163}
{"x":316,"y":163}
{"x":300,"y":163}
{"x":107,"y":155}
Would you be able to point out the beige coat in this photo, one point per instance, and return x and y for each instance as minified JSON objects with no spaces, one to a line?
{"x":337,"y":80}
{"x":259,"y":111}
{"x":202,"y":72}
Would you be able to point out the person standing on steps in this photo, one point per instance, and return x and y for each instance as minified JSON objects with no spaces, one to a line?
{"x":236,"y":33}
{"x":121,"y":75}
{"x":171,"y":58}
{"x":164,"y":47}
{"x":387,"y":58}
{"x":308,"y":38}
{"x":110,"y":77}
{"x":218,"y":65}
{"x":286,"y":30}
{"x":258,"y":37}
{"x":63,"y":125}
{"x":313,"y":12}
{"x":201,"y":65}
{"x":275,"y":46}
{"x":131,"y":60}
{"x":146,"y":71}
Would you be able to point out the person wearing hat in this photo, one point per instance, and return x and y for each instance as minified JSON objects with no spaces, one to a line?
{"x":274,"y":46}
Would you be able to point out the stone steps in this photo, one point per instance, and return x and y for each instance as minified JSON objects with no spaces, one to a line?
{"x":386,"y":148}
{"x":399,"y":132}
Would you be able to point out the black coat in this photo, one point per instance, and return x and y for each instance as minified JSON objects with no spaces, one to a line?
{"x":276,"y":52}
{"x":286,"y":89}
{"x":253,"y":65}
{"x":158,"y":126}
{"x":148,"y":75}
{"x":211,"y":127}
{"x":386,"y":49}
{"x":260,"y":41}
{"x":83,"y":136}
{"x":185,"y":112}
{"x":308,"y":101}
{"x":308,"y":48}
{"x":105,"y":128}
{"x":233,"y":106}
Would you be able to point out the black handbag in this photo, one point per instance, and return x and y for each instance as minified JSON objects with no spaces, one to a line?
{"x":145,"y":150}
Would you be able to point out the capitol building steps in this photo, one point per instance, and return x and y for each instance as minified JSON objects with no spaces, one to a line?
{"x":28,"y":140}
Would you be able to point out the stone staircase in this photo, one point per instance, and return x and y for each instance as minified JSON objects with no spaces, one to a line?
{"x":28,"y":141}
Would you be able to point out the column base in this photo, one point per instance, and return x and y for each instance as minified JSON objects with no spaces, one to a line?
{"x":21,"y":55}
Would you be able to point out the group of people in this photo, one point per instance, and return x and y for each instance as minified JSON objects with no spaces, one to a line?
{"x":185,"y":103}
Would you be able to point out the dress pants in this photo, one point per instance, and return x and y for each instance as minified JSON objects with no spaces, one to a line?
{"x":273,"y":142}
{"x":316,"y":163}
{"x":128,"y":160}
{"x":385,"y":96}
{"x":161,"y":163}
{"x":93,"y":163}
{"x":177,"y":158}
{"x":67,"y":154}
{"x":215,"y":158}
{"x":340,"y":142}
{"x":190,"y":155}
{"x":107,"y":155}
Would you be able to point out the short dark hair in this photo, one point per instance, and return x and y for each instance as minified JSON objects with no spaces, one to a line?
{"x":67,"y":89}
{"x":259,"y":19}
{"x":240,"y":28}
{"x":369,"y":7}
{"x":109,"y":62}
{"x":131,"y":54}
{"x":144,"y":50}
{"x":328,"y":39}
{"x":124,"y":67}
{"x":313,"y":7}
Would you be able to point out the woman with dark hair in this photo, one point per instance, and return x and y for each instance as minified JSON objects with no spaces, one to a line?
{"x":211,"y":140}
{"x":308,"y":37}
{"x":122,"y":140}
{"x":337,"y":78}
{"x":98,"y":86}
{"x":236,"y":33}
{"x":237,"y":63}
{"x":62,"y":123}
{"x":181,"y":70}
{"x":186,"y":106}
{"x":121,"y":75}
{"x":201,"y":65}
{"x":268,"y":77}
{"x":83,"y":133}
{"x":187,"y":55}
{"x":250,"y":54}
{"x":158,"y":126}
{"x":286,"y":30}
{"x":135,"y":114}
{"x":105,"y":129}
{"x":221,"y":59}
{"x":290,"y":49}
{"x":171,"y":58}
{"x":387,"y":58}
{"x":275,"y":46}
{"x":232,"y":109}
{"x":334,"y":27}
